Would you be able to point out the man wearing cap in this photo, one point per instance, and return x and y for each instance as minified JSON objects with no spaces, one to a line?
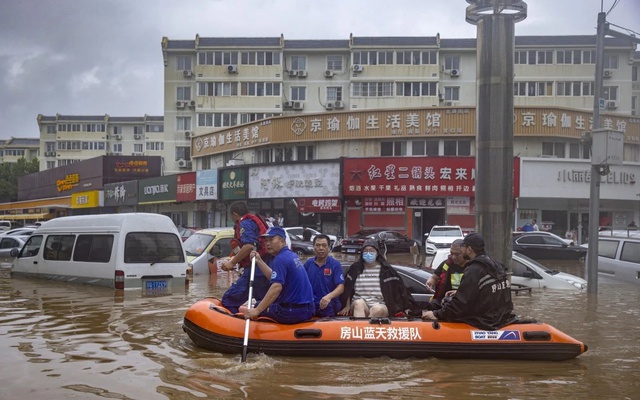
{"x":483,"y":299}
{"x":289,"y":299}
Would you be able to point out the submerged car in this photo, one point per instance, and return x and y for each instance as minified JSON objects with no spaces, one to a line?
{"x":8,"y":243}
{"x":393,"y":241}
{"x":540,"y":246}
{"x":530,"y":273}
{"x":441,"y":237}
{"x":297,"y":230}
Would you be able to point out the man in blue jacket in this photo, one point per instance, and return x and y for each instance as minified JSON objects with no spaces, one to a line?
{"x":289,"y":299}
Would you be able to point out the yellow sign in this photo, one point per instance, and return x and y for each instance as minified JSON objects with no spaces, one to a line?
{"x":94,"y":198}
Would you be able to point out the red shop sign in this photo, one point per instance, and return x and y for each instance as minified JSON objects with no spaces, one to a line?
{"x":186,"y":187}
{"x":319,"y":204}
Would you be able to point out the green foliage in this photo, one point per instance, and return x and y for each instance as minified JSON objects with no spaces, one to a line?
{"x":9,"y":174}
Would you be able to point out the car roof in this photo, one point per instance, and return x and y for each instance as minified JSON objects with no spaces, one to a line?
{"x":215,"y":231}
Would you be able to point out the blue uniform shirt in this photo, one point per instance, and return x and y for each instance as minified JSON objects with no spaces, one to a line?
{"x":324,"y":279}
{"x":249,"y":233}
{"x":287,"y":270}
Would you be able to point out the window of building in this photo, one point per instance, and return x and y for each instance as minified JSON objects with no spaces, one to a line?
{"x":116,"y":148}
{"x":451,"y":62}
{"x":260,"y":89}
{"x":298,"y":93}
{"x":117,"y":130}
{"x":634,"y":105}
{"x":93,"y":145}
{"x":184,"y":93}
{"x":51,"y":129}
{"x":408,"y":58}
{"x":51,"y":164}
{"x":94,"y":127}
{"x":373,"y":57}
{"x":260,"y":58}
{"x":452,"y":93}
{"x":372,"y":89}
{"x":424,"y":148}
{"x":183,"y":153}
{"x":217,"y":58}
{"x":250,"y":117}
{"x":183,"y":123}
{"x":533,"y":57}
{"x":553,"y":149}
{"x":610,"y":92}
{"x":138,"y":130}
{"x":430,"y":57}
{"x":334,"y":63}
{"x":334,"y":93}
{"x":532,"y":88}
{"x":305,"y":153}
{"x":298,"y":63}
{"x":611,"y":61}
{"x":183,"y":63}
{"x":155,"y":146}
{"x":155,"y":128}
{"x":68,"y":127}
{"x":457,"y":148}
{"x":217,"y":89}
{"x":631,"y":152}
{"x":588,"y":56}
{"x":281,"y":154}
{"x":569,"y":56}
{"x":217,"y":120}
{"x":137,"y":148}
{"x":50,"y":146}
{"x":69,"y":145}
{"x":393,"y":148}
{"x":416,"y":89}
{"x":14,"y":152}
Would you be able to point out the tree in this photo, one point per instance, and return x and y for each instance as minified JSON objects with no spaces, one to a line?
{"x":9,"y":174}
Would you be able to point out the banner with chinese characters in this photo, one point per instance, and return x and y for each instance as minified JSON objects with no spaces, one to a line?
{"x":121,"y":194}
{"x":383,"y":204}
{"x":207,"y":184}
{"x":91,"y":199}
{"x":319,"y":205}
{"x":414,"y":176}
{"x":186,"y":187}
{"x":295,"y":180}
{"x":234,"y":184}
{"x":426,"y":202}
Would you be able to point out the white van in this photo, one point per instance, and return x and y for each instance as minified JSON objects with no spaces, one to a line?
{"x":619,"y":258}
{"x":5,"y":226}
{"x":121,"y":251}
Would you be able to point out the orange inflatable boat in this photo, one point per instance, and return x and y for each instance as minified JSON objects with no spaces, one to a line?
{"x":212,"y":327}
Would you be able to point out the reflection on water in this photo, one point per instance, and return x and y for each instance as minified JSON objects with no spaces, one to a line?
{"x":66,"y":340}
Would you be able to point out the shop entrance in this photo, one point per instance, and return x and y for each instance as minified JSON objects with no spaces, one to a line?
{"x":424,"y":219}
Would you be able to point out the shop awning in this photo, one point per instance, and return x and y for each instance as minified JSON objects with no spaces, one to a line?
{"x":18,"y":217}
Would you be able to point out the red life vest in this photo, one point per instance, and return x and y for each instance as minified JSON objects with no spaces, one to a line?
{"x":262,"y":228}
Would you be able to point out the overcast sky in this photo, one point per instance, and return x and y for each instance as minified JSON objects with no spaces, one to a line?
{"x":96,"y":57}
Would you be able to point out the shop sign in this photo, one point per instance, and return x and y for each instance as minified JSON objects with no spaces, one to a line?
{"x":207,"y":184}
{"x":295,"y":180}
{"x":121,"y":194}
{"x":157,"y":190}
{"x":69,"y":182}
{"x":186,"y":187}
{"x":458,"y":205}
{"x":383,"y":204}
{"x":319,"y":205}
{"x":426,"y":202}
{"x":234,"y":184}
{"x":94,"y":198}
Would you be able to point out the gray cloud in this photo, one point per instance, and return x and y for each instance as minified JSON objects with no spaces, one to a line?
{"x":94,"y":57}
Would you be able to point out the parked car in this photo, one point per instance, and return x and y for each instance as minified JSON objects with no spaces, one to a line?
{"x":541,"y":246}
{"x":185,"y":233}
{"x":8,"y":243}
{"x":297,"y":230}
{"x":441,"y":237}
{"x":619,"y":258}
{"x":414,"y":279}
{"x":567,"y":241}
{"x":530,"y":273}
{"x":19,"y":232}
{"x":299,"y":246}
{"x":393,"y":241}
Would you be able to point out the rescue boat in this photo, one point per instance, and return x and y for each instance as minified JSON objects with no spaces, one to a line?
{"x":212,"y":327}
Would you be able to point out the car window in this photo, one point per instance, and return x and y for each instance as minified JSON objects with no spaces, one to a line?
{"x":59,"y":247}
{"x":153,"y":247}
{"x":412,"y":285}
{"x":8,"y":243}
{"x":551,"y":240}
{"x":32,"y":247}
{"x":530,"y":240}
{"x":295,"y":231}
{"x":630,"y":252}
{"x":519,"y":269}
{"x":607,"y":248}
{"x":197,"y":243}
{"x":224,"y":244}
{"x":93,"y":248}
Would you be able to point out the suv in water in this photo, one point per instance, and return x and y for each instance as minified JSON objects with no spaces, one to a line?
{"x":441,"y":237}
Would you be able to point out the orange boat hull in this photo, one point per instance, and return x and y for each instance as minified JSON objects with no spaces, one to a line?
{"x":211,"y":327}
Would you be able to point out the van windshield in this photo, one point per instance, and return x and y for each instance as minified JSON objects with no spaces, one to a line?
{"x":197,"y":243}
{"x":153,"y":247}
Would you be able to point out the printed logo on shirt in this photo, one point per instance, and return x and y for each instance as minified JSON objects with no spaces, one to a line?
{"x":327,"y":271}
{"x":274,"y":274}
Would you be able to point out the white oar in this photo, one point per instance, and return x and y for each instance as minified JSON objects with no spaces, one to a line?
{"x":248,"y":320}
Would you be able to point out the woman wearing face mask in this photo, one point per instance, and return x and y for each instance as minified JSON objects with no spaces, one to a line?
{"x":374,"y":289}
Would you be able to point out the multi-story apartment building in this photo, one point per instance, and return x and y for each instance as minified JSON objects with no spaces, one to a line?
{"x":13,"y":149}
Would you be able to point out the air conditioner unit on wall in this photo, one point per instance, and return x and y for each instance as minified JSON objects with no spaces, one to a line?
{"x":302,"y":74}
{"x":607,"y":73}
{"x":189,"y":164}
{"x":192,"y":103}
{"x":187,"y":73}
{"x":293,"y":72}
{"x":188,"y":134}
{"x":180,"y":104}
{"x":118,"y":137}
{"x":298,"y":105}
{"x":358,"y":68}
{"x":611,"y":105}
{"x":450,"y":103}
{"x":137,"y":137}
{"x":329,"y":105}
{"x":455,"y":72}
{"x":338,"y":104}
{"x":182,"y":163}
{"x":288,"y":104}
{"x":328,"y":73}
{"x":232,"y":69}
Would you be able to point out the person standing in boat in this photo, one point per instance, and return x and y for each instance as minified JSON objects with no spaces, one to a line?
{"x":248,"y":228}
{"x":447,"y":276}
{"x":289,"y":299}
{"x":483,"y":299}
{"x":373,"y":288}
{"x":325,"y":275}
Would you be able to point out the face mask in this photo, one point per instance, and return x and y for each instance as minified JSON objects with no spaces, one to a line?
{"x":369,"y":257}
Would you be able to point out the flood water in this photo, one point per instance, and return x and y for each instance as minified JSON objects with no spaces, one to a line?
{"x":63,"y":341}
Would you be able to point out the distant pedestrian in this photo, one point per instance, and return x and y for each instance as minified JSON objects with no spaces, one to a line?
{"x":306,"y":234}
{"x":279,"y":220}
{"x":632,"y":224}
{"x":535,"y":225}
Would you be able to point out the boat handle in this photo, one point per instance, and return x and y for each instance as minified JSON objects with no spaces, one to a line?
{"x":536,"y":335}
{"x":380,"y":321}
{"x":307,"y":333}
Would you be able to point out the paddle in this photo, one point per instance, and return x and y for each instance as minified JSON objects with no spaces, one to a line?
{"x":248,"y":320}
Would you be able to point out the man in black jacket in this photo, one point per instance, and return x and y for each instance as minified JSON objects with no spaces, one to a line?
{"x":483,"y":299}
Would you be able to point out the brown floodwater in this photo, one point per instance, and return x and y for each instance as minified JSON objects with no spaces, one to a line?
{"x":62,"y":341}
